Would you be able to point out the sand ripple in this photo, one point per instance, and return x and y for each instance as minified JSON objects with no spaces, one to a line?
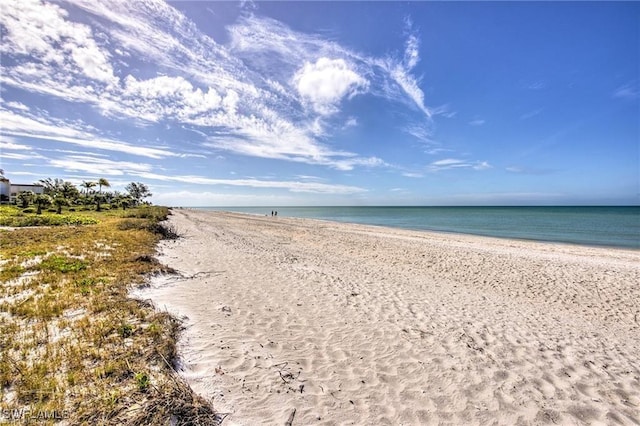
{"x":351,"y":324}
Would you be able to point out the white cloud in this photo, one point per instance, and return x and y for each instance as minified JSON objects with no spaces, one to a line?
{"x":17,"y":105}
{"x":264,"y":42}
{"x":326,"y":82}
{"x":351,"y":122}
{"x":168,"y":98}
{"x":400,"y":71}
{"x":412,"y":54}
{"x":8,"y":143}
{"x":420,"y":131}
{"x":42,"y":31}
{"x":482,"y":165}
{"x":412,"y":45}
{"x":208,"y":198}
{"x":434,"y":151}
{"x":98,"y":166}
{"x":293,"y":186}
{"x":477,"y":122}
{"x":402,"y":76}
{"x":16,"y":156}
{"x":448,"y":162}
{"x":443,"y":110}
{"x":26,"y":174}
{"x":307,"y":177}
{"x":530,"y":114}
{"x":22,"y":126}
{"x":247,"y":96}
{"x":536,"y":85}
{"x":627,"y":91}
{"x":530,"y":170}
{"x":454,"y":163}
{"x":412,"y":175}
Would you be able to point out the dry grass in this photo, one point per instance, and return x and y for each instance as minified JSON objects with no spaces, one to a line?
{"x":73,"y":346}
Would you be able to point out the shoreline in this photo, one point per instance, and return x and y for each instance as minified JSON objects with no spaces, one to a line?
{"x":427,"y":232}
{"x":434,"y":228}
{"x":354,"y":324}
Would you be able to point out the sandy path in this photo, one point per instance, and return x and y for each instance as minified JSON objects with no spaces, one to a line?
{"x":351,"y":324}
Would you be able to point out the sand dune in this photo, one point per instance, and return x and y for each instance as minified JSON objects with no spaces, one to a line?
{"x":351,"y":324}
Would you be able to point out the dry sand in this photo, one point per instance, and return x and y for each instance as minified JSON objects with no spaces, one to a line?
{"x":353,"y":324}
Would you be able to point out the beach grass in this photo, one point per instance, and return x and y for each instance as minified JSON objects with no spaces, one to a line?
{"x":73,"y":345}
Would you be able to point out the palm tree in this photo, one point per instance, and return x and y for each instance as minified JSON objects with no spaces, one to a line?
{"x":103,"y":182}
{"x":69,"y":191}
{"x":123,"y":201}
{"x":41,"y":200}
{"x":24,"y":198}
{"x":87,"y":185}
{"x":98,"y":198}
{"x":60,"y":201}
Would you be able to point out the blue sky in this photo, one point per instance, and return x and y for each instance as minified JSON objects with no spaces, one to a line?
{"x":326,"y":103}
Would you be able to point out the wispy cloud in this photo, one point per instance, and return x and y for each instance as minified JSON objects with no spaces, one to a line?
{"x":293,"y":186}
{"x":271,"y":92}
{"x":52,"y":50}
{"x":41,"y":128}
{"x":10,"y":143}
{"x":18,"y":156}
{"x":436,"y":150}
{"x":536,"y":85}
{"x":477,"y":122}
{"x":401,"y":71}
{"x":351,"y":122}
{"x":536,"y":171}
{"x":412,"y":175}
{"x":454,"y":163}
{"x":420,"y":131}
{"x":262,"y":42}
{"x":444,"y":111}
{"x":235,"y":92}
{"x":627,"y":91}
{"x":99,"y":166}
{"x":17,"y":105}
{"x":530,"y":114}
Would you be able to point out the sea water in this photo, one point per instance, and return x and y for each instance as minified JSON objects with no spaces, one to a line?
{"x":602,"y":226}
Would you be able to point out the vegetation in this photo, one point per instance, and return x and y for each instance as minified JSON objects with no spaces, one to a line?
{"x":65,"y":199}
{"x":13,"y":216}
{"x":138,"y":191}
{"x":72,"y":343}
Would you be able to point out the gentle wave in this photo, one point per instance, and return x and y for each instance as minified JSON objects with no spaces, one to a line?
{"x":601,"y":226}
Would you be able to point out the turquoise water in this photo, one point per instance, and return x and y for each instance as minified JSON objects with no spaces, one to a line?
{"x":603,"y":226}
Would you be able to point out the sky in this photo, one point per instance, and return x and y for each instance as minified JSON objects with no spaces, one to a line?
{"x":326,"y":103}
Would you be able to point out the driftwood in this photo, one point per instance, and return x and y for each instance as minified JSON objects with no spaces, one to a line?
{"x":289,"y":421}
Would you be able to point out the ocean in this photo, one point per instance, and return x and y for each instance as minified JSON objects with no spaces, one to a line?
{"x":595,"y":226}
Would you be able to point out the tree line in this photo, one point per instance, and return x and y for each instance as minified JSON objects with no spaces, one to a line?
{"x":60,"y":193}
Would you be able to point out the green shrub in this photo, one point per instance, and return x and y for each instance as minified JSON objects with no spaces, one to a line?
{"x":28,"y":210}
{"x":167,"y":232}
{"x":128,"y":224}
{"x":143,"y":381}
{"x":155,"y":213}
{"x":63,"y":264}
{"x":46,"y":220}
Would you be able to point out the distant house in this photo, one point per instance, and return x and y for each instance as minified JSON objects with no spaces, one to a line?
{"x":5,"y":189}
{"x":9,"y":191}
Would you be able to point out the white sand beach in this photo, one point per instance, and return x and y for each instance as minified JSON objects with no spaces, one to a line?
{"x":353,"y":324}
